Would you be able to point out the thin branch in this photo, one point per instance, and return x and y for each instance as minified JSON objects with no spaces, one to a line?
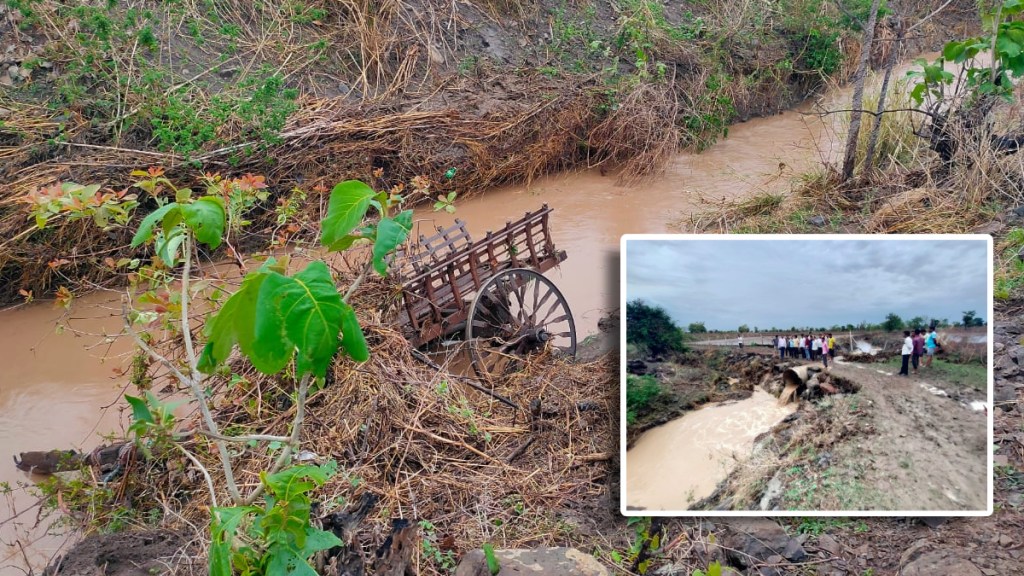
{"x":426,"y":360}
{"x":872,"y":112}
{"x":186,"y":330}
{"x":355,"y":283}
{"x":195,"y":380}
{"x":206,"y":474}
{"x":148,"y":350}
{"x":293,"y":441}
{"x":929,"y":17}
{"x":246,"y":438}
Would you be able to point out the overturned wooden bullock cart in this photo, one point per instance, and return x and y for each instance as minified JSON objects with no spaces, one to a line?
{"x":491,"y":292}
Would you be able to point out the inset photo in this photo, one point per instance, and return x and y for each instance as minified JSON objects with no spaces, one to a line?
{"x":806,"y":375}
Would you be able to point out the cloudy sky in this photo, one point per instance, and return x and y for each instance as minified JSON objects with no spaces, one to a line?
{"x":816,"y":282}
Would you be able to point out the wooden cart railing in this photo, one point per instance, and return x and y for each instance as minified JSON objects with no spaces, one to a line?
{"x":443,"y":271}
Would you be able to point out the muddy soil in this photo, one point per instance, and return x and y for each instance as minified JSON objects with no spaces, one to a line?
{"x":896,"y":444}
{"x":123,"y":554}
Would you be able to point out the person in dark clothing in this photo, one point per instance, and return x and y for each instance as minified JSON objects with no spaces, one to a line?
{"x":918,"y":343}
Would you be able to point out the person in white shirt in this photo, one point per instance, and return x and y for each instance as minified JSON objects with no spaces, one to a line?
{"x":780,"y":342}
{"x":739,"y":340}
{"x":908,"y":349}
{"x":815,"y":347}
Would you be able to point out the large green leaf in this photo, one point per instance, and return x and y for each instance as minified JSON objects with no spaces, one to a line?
{"x":352,"y":339}
{"x":290,"y":482}
{"x":1007,"y":47}
{"x":140,"y":411}
{"x":167,"y":245}
{"x":286,"y":561}
{"x":301,"y":314}
{"x":235,"y":323}
{"x":206,"y":218}
{"x":223,"y":525}
{"x":145,"y":231}
{"x":317,"y":540}
{"x":391,"y":232}
{"x":345,"y":210}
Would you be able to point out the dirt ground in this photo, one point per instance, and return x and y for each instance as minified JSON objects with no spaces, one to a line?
{"x":914,"y":448}
{"x":122,"y":554}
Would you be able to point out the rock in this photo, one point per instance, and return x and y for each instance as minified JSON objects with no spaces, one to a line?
{"x":992,"y":227}
{"x":4,"y":113}
{"x":772,"y":491}
{"x":940,"y":563}
{"x":538,"y":562}
{"x":435,"y":55}
{"x":1019,"y":211}
{"x":759,"y":538}
{"x":1005,"y":541}
{"x":818,"y":221}
{"x":1005,"y":395}
{"x":1015,"y":500}
{"x":829,"y":544}
{"x":638,"y":367}
{"x":933,"y":521}
{"x":1006,"y":366}
{"x":5,"y":80}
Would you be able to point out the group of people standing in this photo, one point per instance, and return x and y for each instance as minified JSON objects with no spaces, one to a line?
{"x":807,"y":346}
{"x":917,"y":345}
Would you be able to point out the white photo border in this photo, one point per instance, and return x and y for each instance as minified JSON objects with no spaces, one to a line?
{"x":990,"y":407}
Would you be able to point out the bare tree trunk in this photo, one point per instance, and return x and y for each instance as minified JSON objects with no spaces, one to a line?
{"x":858,"y":93}
{"x":869,"y":158}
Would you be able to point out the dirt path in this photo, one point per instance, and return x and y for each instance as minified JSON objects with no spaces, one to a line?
{"x":917,"y":448}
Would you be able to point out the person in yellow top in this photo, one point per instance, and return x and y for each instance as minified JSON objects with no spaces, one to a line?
{"x":831,"y":347}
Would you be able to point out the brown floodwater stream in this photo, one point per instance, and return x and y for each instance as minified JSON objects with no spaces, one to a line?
{"x":677,"y":464}
{"x":56,"y":391}
{"x":54,"y":387}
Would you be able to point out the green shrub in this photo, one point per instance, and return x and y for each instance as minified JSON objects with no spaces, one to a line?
{"x":641,"y":391}
{"x":650,"y":327}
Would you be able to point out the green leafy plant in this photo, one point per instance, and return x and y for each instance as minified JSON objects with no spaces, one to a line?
{"x":279,"y":538}
{"x":1004,"y":42}
{"x":443,"y":559}
{"x":492,"y":562}
{"x":108,"y":209}
{"x":714,"y":569}
{"x":641,"y":391}
{"x":153,"y":422}
{"x":279,"y":321}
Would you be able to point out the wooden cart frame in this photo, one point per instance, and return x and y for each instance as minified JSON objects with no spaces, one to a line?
{"x":491,"y":291}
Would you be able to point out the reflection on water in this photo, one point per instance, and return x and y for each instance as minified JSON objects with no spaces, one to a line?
{"x":56,"y":391}
{"x":672,"y":466}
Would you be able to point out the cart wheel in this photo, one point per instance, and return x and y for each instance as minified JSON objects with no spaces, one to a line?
{"x":514,"y":314}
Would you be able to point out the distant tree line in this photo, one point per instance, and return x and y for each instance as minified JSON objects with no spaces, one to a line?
{"x":892,"y":323}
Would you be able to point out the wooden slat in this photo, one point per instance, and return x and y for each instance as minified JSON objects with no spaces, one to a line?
{"x":437,"y":294}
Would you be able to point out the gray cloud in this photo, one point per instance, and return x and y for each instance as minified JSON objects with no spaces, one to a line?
{"x":814,"y":282}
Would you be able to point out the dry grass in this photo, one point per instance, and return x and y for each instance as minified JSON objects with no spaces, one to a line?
{"x":430,"y":447}
{"x":911,"y":192}
{"x":636,"y":134}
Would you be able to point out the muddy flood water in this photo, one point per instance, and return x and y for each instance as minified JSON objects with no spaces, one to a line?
{"x":677,"y":464}
{"x":55,"y":389}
